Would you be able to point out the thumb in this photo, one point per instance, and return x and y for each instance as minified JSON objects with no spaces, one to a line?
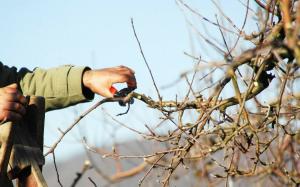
{"x":107,"y":93}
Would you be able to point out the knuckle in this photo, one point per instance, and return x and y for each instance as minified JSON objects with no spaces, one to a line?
{"x":13,"y":97}
{"x":17,"y":106}
{"x":22,"y":99}
{"x":127,"y":71}
{"x":126,"y":77}
{"x":8,"y":96}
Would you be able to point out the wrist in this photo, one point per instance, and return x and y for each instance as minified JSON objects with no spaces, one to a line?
{"x":86,"y":83}
{"x":86,"y":77}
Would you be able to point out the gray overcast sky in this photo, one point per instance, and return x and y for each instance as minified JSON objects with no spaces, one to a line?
{"x":98,"y":34}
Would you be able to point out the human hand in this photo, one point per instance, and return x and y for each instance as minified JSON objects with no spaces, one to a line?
{"x":100,"y":81}
{"x":12,"y":104}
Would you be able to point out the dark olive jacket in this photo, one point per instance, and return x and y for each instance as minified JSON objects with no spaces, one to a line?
{"x":61,"y":86}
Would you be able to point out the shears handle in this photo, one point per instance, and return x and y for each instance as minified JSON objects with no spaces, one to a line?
{"x":113,"y":90}
{"x":122,"y":93}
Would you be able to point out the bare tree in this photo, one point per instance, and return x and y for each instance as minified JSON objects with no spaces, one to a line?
{"x":227,"y":127}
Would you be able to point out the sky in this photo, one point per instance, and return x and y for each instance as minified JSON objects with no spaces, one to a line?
{"x":98,"y":34}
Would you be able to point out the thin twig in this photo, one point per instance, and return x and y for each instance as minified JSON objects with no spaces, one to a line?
{"x":150,"y":169}
{"x":63,"y":133}
{"x":93,"y":182}
{"x":85,"y":168}
{"x":56,"y":170}
{"x":149,"y":69}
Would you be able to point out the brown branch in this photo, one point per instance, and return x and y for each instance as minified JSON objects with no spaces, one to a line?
{"x":265,"y":7}
{"x":134,"y":171}
{"x":85,"y":168}
{"x":128,"y":173}
{"x":93,"y":182}
{"x":63,"y":133}
{"x":285,"y":7}
{"x":56,"y":170}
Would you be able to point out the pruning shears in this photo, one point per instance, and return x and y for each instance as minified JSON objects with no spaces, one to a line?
{"x":122,"y":93}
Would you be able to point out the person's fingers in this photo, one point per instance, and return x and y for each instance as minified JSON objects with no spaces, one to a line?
{"x":125,"y":68}
{"x":11,"y":103}
{"x":14,"y":97}
{"x":14,"y":116}
{"x":14,"y":106}
{"x":126,"y":75}
{"x":126,"y":78}
{"x":10,"y":116}
{"x":132,"y":82}
{"x":12,"y":94}
{"x":100,"y":81}
{"x":22,"y":99}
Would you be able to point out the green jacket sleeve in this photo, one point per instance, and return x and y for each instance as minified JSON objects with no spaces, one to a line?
{"x":61,"y":87}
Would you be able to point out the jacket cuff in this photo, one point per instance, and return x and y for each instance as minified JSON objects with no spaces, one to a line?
{"x":76,"y":87}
